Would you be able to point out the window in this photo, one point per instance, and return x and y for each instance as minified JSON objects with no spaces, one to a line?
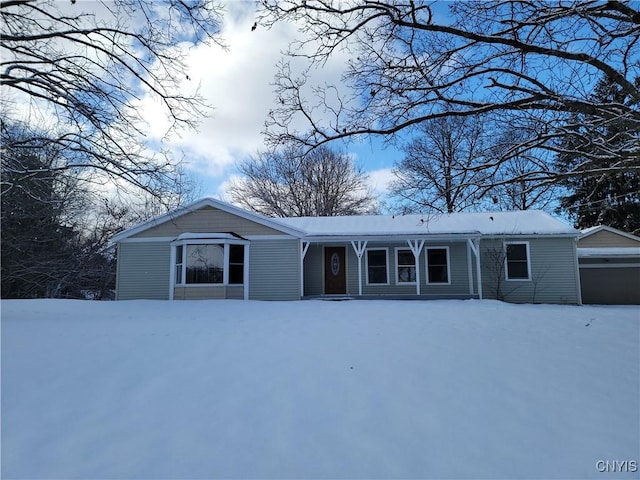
{"x":236,"y":264}
{"x":405,"y":266}
{"x":377,"y":270}
{"x":213,"y":259}
{"x":517,"y":260}
{"x":438,"y":265}
{"x":205,"y":263}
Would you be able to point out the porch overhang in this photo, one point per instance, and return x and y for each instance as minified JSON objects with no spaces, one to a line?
{"x":415,"y":242}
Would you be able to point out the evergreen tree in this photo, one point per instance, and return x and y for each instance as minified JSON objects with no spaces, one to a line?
{"x":604,"y":196}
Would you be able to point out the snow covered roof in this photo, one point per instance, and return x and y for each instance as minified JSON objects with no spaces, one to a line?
{"x":531,"y":222}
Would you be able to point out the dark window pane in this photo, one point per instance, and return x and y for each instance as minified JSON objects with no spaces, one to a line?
{"x":377,"y":274}
{"x":377,"y":257}
{"x":517,"y":270}
{"x":405,"y":257}
{"x":236,"y":274}
{"x":517,"y":252}
{"x":438,"y":274}
{"x":437,"y":256}
{"x":236,"y":253}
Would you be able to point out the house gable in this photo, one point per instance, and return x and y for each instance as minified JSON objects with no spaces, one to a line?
{"x":206,"y":216}
{"x":607,"y":237}
{"x":208,"y":219}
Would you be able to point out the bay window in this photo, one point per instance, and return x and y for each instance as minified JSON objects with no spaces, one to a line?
{"x":209,"y":259}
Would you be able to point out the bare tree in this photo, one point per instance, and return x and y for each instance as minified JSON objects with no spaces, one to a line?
{"x":510,"y":186}
{"x":286,"y":184}
{"x":442,"y":169}
{"x":83,"y":65}
{"x":410,"y":61}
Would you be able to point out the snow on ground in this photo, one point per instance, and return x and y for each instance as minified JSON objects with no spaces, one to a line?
{"x":318,"y":389}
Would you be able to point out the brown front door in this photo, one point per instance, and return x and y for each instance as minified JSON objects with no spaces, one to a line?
{"x":335,"y":278}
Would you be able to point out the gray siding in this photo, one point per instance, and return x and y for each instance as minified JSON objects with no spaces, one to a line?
{"x":553,"y":272}
{"x":314,"y":271}
{"x":274,"y":271}
{"x":208,"y":219}
{"x":143,"y":271}
{"x":604,"y":238}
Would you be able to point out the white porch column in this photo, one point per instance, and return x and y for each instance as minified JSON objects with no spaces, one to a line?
{"x":359,"y":249}
{"x":469,"y":267}
{"x":416,"y":248}
{"x":172,"y":271}
{"x":245,"y":273}
{"x":475,"y":246}
{"x":304,"y":246}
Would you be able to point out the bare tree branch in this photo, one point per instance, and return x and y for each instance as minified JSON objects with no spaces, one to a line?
{"x":410,"y":63}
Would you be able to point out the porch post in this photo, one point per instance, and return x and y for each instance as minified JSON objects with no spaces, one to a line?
{"x":359,"y":252}
{"x":304,"y":246}
{"x":172,"y":271}
{"x":245,"y":273}
{"x":475,"y":246}
{"x":416,"y":248}
{"x":469,"y":268}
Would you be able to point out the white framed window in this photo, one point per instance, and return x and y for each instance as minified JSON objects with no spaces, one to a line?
{"x":517,"y":261}
{"x":405,"y":266}
{"x":438,"y":266}
{"x":377,"y":266}
{"x":204,"y":261}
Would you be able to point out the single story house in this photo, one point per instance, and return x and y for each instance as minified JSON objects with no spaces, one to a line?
{"x":609,"y":261}
{"x":212,"y":249}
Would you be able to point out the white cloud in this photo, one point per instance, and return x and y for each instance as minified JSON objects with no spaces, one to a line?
{"x":380,"y":180}
{"x":238,"y":84}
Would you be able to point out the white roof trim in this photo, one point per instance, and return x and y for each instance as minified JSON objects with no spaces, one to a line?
{"x":592,"y":230}
{"x":207,"y":202}
{"x":611,"y":252}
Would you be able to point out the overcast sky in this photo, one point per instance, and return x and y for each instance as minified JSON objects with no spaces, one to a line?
{"x":237,"y":83}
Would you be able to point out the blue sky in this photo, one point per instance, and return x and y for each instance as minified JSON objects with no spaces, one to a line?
{"x":238,"y":85}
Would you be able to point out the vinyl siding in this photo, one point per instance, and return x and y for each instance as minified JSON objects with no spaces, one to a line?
{"x":314,"y":271}
{"x":604,"y":238}
{"x":553,"y":272}
{"x":143,"y":271}
{"x":274,"y":270}
{"x":207,"y":219}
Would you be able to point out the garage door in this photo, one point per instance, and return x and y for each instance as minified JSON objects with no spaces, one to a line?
{"x":611,"y":286}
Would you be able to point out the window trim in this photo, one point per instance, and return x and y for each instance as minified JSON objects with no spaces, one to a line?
{"x":366,"y":264}
{"x":426,"y":262}
{"x":506,"y":261}
{"x":207,"y":239}
{"x":415,"y":264}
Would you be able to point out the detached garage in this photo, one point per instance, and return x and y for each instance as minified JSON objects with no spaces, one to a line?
{"x":609,"y":262}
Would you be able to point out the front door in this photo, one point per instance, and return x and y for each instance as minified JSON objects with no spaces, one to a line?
{"x":335,"y":278}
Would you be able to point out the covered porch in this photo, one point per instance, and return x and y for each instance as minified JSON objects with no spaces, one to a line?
{"x":391,"y":267}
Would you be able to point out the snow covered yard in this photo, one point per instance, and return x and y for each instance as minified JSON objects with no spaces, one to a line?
{"x":315,"y":389}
